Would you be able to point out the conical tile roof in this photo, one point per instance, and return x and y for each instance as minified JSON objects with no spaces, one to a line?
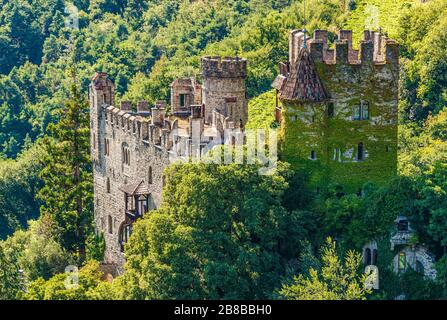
{"x":303,"y":83}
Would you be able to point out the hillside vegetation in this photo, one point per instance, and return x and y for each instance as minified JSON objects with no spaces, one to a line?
{"x":261,"y":237}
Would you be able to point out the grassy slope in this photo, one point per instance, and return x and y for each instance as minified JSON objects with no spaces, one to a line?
{"x":389,"y":13}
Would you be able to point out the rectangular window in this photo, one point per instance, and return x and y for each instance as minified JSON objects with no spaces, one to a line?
{"x":356,"y":112}
{"x":182,"y":100}
{"x":365,"y":110}
{"x":330,"y":110}
{"x":361,"y":112}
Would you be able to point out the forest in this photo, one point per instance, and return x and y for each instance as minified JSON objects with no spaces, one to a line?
{"x":286,"y":241}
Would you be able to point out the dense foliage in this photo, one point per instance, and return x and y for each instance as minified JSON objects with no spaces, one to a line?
{"x":258,"y":235}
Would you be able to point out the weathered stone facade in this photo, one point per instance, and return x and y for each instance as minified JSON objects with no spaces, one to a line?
{"x":131,"y":149}
{"x":339,"y":108}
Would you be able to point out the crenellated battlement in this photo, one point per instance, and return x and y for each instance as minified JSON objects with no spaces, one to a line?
{"x":227,"y":67}
{"x":374,"y":48}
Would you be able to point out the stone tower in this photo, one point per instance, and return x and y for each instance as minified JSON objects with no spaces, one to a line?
{"x":223,"y":88}
{"x":338,"y":108}
{"x":101,"y":93}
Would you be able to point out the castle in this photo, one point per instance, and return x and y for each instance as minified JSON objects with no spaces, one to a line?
{"x":131,"y":147}
{"x":337,"y":109}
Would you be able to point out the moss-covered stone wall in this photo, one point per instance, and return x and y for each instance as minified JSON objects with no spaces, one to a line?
{"x":308,"y":127}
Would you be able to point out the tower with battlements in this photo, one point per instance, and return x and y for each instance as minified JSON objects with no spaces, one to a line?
{"x":338,"y":108}
{"x":131,"y":145}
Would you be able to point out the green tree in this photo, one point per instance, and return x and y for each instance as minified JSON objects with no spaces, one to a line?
{"x":89,"y":286}
{"x":218,"y":234}
{"x":67,"y":177}
{"x":336,"y":280}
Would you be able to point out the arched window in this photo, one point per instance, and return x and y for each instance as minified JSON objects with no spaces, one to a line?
{"x":360,"y":152}
{"x":149,"y":175}
{"x":233,"y":140}
{"x":110,"y":224}
{"x":367,"y":256}
{"x":313,"y":155}
{"x":374,"y":257}
{"x":108,"y":185}
{"x":125,"y":154}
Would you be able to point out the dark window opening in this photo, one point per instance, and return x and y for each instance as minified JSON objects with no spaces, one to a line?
{"x":402,"y":225}
{"x":149,"y":175}
{"x":374,"y":257}
{"x":124,"y":234}
{"x":313,"y":155}
{"x":360,"y":152}
{"x":108,"y":185}
{"x":330,"y":110}
{"x":182,"y":98}
{"x":110,"y":224}
{"x":367,"y":256}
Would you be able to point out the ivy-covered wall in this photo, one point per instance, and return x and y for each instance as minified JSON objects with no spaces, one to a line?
{"x":307,"y":127}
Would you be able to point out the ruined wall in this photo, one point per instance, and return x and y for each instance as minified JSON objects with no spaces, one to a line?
{"x":350,"y":78}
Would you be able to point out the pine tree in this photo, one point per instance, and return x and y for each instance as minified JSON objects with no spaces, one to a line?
{"x":68,"y":184}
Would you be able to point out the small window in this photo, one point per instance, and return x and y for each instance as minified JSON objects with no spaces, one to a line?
{"x":330,"y":110}
{"x":108,"y":185}
{"x":360,"y":152}
{"x":356,"y":112}
{"x":125,"y":155}
{"x":367,"y":256}
{"x":374,"y":257}
{"x":106,"y":147}
{"x":365,"y":110}
{"x":402,"y":262}
{"x":402,"y":225}
{"x":387,"y":148}
{"x":361,"y":111}
{"x":110,"y":224}
{"x":313,"y":155}
{"x":182,"y":100}
{"x":149,"y":175}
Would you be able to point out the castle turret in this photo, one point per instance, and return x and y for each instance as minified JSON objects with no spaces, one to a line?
{"x":224,"y":88}
{"x":101,"y":95}
{"x":338,"y":109}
